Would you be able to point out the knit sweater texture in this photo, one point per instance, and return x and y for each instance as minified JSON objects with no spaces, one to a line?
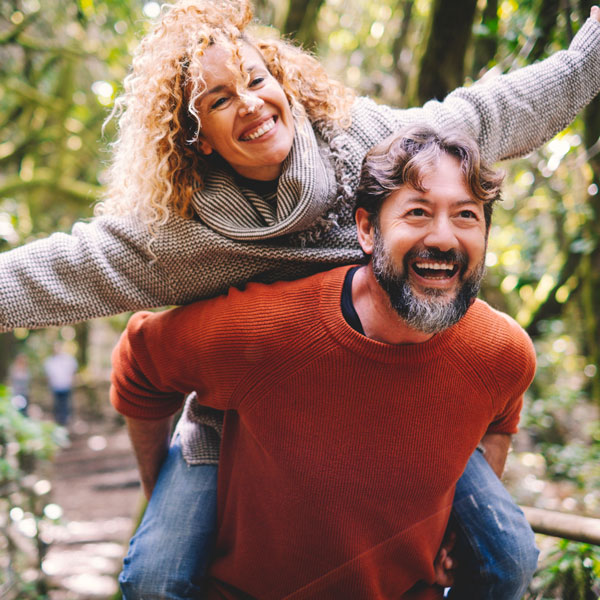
{"x":340,"y":453}
{"x":105,"y":266}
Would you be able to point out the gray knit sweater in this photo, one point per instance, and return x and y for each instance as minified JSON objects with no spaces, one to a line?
{"x":104,"y":267}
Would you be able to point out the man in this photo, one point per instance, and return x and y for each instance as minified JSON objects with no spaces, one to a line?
{"x":355,"y":397}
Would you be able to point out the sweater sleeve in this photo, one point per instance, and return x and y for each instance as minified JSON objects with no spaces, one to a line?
{"x":514,"y":372}
{"x":103,"y":267}
{"x":143,"y":382}
{"x":108,"y":266}
{"x":158,"y":361}
{"x":207,"y":347}
{"x":511,"y":115}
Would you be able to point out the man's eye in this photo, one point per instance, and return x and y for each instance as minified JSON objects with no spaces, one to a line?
{"x":468,"y":214}
{"x":417,"y":212}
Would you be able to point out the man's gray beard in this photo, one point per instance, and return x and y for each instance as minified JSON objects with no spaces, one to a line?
{"x":424,"y":314}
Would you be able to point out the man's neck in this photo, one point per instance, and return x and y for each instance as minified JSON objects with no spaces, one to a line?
{"x":379,"y":320}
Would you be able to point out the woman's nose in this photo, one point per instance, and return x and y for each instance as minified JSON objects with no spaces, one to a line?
{"x":249,"y":104}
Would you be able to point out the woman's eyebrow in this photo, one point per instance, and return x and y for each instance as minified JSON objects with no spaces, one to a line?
{"x":213,"y":90}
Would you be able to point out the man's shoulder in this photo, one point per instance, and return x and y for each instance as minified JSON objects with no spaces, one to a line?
{"x":493,"y":351}
{"x":487,"y":320}
{"x":256,"y":310}
{"x":280,"y":298}
{"x":495,"y":336}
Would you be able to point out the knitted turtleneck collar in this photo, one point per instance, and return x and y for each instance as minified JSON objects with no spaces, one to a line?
{"x":307,"y":190}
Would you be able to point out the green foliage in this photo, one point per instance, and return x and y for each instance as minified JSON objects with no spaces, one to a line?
{"x":60,"y":65}
{"x":26,"y":447}
{"x":572,"y":572}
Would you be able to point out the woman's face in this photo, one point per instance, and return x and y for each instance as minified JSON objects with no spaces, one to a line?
{"x":248,"y":125}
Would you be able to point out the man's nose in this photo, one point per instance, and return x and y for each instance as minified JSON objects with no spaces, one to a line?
{"x":249,"y":104}
{"x":441,"y":235}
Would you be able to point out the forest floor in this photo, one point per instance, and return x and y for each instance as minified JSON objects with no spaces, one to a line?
{"x":95,"y":482}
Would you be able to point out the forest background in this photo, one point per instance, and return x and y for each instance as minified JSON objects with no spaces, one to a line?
{"x":61,"y":67}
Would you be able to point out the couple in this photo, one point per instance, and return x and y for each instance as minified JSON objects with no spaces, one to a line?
{"x":238,"y":159}
{"x":353,"y":401}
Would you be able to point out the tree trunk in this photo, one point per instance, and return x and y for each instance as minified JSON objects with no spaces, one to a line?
{"x":402,"y":74}
{"x":544,"y":25}
{"x":486,"y":43}
{"x":591,"y":283}
{"x":7,"y":351}
{"x":442,"y":65}
{"x":301,"y":21}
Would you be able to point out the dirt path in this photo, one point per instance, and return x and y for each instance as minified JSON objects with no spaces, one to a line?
{"x":95,"y":483}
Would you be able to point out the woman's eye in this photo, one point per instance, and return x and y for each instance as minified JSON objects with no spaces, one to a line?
{"x":256,"y":81}
{"x":218,"y":102}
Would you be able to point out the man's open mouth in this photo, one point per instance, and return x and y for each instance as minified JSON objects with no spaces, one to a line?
{"x":435,"y":270}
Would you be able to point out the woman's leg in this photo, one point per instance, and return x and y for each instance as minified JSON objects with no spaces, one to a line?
{"x":170,"y":551}
{"x":495,"y":535}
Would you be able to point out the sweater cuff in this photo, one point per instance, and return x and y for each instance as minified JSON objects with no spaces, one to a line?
{"x":588,"y":36}
{"x":134,"y":410}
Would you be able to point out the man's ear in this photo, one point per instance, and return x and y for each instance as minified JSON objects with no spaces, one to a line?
{"x":204,"y":146}
{"x":364,"y":230}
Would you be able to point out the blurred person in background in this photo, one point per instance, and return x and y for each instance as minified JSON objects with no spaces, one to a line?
{"x":60,"y":369}
{"x":19,"y":378}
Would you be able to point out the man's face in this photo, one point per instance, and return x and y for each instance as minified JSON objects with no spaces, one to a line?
{"x":429,"y":249}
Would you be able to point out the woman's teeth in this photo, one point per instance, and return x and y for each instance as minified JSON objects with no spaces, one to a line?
{"x":264,"y":128}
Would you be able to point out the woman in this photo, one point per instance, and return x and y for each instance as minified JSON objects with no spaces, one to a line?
{"x":237,"y":159}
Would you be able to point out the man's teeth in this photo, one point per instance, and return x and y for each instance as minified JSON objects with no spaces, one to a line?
{"x":264,"y":128}
{"x":438,"y":266}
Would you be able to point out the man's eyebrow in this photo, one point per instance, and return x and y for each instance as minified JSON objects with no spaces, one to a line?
{"x":468,"y":201}
{"x":427,"y":201}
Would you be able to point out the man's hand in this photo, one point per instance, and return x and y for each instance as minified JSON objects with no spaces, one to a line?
{"x":595,"y":13}
{"x":445,"y":565}
{"x":150,"y":441}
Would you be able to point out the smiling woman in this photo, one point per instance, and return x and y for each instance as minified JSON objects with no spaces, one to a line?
{"x":243,"y":114}
{"x":217,"y":84}
{"x":237,"y":160}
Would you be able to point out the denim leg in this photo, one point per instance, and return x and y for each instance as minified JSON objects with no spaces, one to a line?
{"x":498,"y":538}
{"x":170,"y":551}
{"x":62,"y":406}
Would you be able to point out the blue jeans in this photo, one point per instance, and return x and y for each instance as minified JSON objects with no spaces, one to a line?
{"x":170,"y":551}
{"x":62,"y":406}
{"x":495,"y":539}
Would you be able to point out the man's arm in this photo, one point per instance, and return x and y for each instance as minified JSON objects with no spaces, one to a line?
{"x":150,"y":442}
{"x":496,"y":446}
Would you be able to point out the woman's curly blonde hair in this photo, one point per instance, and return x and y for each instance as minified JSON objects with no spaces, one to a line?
{"x":156,"y":165}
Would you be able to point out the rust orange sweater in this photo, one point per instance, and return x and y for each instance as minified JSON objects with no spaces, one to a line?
{"x":340,"y":453}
